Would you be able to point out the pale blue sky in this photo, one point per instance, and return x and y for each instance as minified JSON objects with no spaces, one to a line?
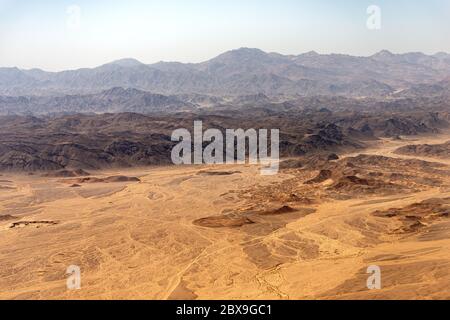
{"x":36,"y":33}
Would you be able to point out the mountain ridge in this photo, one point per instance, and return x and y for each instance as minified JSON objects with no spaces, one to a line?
{"x":243,"y":71}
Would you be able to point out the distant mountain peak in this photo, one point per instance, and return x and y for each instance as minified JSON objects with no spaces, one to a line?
{"x":121,"y":91}
{"x":383,"y":54}
{"x":310,"y":54}
{"x":126,"y":62}
{"x":10,"y":69}
{"x":441,"y":54}
{"x":242,"y":52}
{"x":247,"y":50}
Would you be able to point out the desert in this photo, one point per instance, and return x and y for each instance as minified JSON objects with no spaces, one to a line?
{"x":200,"y":232}
{"x":252,"y":155}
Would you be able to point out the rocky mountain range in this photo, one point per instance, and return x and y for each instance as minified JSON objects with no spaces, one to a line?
{"x":95,"y":141}
{"x":122,"y":114}
{"x":245,"y":72}
{"x":108,"y":101}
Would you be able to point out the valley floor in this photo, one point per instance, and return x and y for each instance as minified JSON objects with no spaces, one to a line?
{"x":145,"y":240}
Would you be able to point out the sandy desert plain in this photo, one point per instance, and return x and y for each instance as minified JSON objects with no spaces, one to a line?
{"x":226,"y":232}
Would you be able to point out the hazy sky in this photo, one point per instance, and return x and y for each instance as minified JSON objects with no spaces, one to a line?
{"x":56,"y":35}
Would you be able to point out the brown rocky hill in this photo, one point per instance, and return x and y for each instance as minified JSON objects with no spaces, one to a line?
{"x":86,"y":141}
{"x":426,"y":150}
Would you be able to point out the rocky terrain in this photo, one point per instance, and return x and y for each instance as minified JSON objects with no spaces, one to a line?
{"x":246,"y":71}
{"x":109,"y":101}
{"x":86,"y":179}
{"x":441,"y":151}
{"x":310,"y":232}
{"x":98,"y":141}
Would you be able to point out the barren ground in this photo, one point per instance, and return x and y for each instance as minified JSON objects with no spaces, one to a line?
{"x":213,"y":233}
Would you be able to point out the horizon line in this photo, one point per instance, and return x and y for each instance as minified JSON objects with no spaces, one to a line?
{"x":224,"y":52}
